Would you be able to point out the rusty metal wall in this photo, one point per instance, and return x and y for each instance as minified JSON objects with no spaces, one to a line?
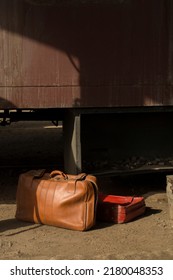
{"x":118,"y":53}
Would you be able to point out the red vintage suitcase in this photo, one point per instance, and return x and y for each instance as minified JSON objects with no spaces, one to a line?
{"x":119,"y":209}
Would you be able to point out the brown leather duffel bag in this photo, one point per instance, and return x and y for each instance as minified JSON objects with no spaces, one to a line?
{"x":57,"y":199}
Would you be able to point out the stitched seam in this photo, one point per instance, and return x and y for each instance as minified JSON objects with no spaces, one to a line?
{"x":37,"y":202}
{"x":45,"y":201}
{"x":53,"y":199}
{"x":86,"y":207}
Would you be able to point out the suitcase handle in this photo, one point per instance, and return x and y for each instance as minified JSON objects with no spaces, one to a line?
{"x":57,"y":174}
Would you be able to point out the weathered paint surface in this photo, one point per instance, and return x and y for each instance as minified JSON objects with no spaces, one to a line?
{"x":117,"y":54}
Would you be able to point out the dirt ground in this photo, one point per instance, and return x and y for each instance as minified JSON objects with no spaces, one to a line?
{"x":150,"y":236}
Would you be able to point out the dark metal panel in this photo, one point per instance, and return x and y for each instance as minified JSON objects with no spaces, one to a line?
{"x":88,"y":56}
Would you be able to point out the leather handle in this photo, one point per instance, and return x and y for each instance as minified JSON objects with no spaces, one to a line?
{"x":59,"y":174}
{"x":80,"y":176}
